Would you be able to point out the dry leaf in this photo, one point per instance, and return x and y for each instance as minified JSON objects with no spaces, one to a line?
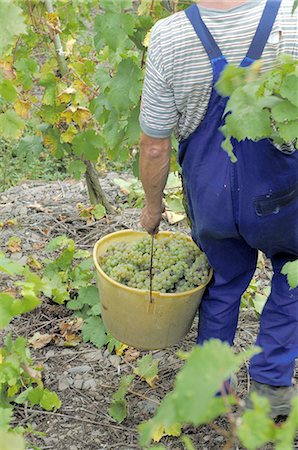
{"x":173,"y":217}
{"x":71,"y":326}
{"x":131,"y":354}
{"x":40,"y":340}
{"x":38,"y":245}
{"x":14,"y":244}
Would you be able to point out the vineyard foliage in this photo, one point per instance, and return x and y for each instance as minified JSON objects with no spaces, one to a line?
{"x":267,"y":104}
{"x":71,"y":76}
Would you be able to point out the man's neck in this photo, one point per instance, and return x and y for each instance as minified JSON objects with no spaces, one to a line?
{"x":221,"y":4}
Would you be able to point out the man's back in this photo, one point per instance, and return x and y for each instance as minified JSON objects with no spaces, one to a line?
{"x":179,"y":76}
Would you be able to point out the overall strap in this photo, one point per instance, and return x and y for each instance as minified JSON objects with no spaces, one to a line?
{"x":263,"y":31}
{"x":203,"y":33}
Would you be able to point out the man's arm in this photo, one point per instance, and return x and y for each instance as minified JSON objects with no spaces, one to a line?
{"x":154,"y":169}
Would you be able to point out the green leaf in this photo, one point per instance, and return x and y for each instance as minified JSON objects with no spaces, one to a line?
{"x":256,"y":428}
{"x":118,"y":410}
{"x":94,"y":331}
{"x":27,"y":69}
{"x":11,"y":126}
{"x":58,"y":243}
{"x":284,"y":111}
{"x":187,"y":443}
{"x":285,"y":434}
{"x":77,"y":168}
{"x":288,"y":131}
{"x":201,"y":377}
{"x":99,"y":211}
{"x":87,"y":295}
{"x":126,"y":85}
{"x":147,"y":369}
{"x":12,"y":23}
{"x":288,"y":88}
{"x":87,"y":144}
{"x":30,"y":148}
{"x":10,"y":440}
{"x":290,"y":269}
{"x":50,"y":400}
{"x":133,"y":129}
{"x":23,"y":396}
{"x":105,"y":26}
{"x":8,"y":91}
{"x":6,"y":414}
{"x":6,"y":314}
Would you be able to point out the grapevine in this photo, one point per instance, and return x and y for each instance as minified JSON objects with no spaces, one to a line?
{"x":178,"y":264}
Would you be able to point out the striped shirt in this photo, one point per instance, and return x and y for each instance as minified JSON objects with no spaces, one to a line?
{"x":178,"y":77}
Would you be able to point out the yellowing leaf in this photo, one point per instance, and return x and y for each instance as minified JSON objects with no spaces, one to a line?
{"x":69,"y":134}
{"x":146,"y":40}
{"x":14,"y":244}
{"x":53,"y":22}
{"x":147,"y":369}
{"x":50,"y":142}
{"x":82,"y":115}
{"x":1,"y":359}
{"x":158,"y":433}
{"x":173,"y":217}
{"x":69,"y":46}
{"x":68,"y":113}
{"x":22,"y":108}
{"x":66,"y":95}
{"x":119,"y":350}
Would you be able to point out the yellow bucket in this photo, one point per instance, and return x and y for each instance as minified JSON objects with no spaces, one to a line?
{"x":127,"y":312}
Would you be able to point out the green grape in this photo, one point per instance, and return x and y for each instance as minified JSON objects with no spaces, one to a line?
{"x":178,"y":265}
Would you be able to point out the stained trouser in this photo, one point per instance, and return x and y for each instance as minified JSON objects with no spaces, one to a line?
{"x":237,"y":209}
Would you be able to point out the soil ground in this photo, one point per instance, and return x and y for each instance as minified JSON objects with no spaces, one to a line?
{"x":86,"y":377}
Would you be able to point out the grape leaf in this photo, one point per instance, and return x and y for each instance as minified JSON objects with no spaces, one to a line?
{"x":147,"y":368}
{"x":77,"y":169}
{"x":11,"y":126}
{"x":187,"y":443}
{"x":285,"y":434}
{"x":284,"y":111}
{"x":50,"y":400}
{"x":87,"y":144}
{"x":10,"y":267}
{"x":88,"y":295}
{"x":256,"y":428}
{"x":8,"y":91}
{"x":105,"y":26}
{"x":201,"y":377}
{"x":6,"y":414}
{"x":117,"y":409}
{"x":290,"y":269}
{"x":99,"y":211}
{"x":288,"y":88}
{"x":126,"y":85}
{"x":30,"y":147}
{"x":94,"y":331}
{"x":12,"y":23}
{"x":27,"y":68}
{"x":288,"y":131}
{"x":10,"y":440}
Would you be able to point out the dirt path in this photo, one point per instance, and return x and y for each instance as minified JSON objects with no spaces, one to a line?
{"x":86,"y":377}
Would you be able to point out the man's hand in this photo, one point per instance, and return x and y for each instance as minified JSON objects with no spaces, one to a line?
{"x":150,"y":220}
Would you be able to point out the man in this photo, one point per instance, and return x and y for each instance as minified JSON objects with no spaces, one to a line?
{"x":235,"y":209}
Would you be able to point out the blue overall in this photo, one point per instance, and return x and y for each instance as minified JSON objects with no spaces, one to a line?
{"x":237,"y":209}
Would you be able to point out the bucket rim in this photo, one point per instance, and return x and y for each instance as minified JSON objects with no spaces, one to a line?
{"x":107,"y":237}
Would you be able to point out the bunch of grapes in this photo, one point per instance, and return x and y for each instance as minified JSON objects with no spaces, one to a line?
{"x":178,"y":265}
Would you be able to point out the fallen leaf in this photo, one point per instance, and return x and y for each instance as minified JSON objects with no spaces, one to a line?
{"x":38,"y":245}
{"x":131,"y":354}
{"x":71,"y":326}
{"x":40,"y":340}
{"x":14,"y":244}
{"x":173,"y":217}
